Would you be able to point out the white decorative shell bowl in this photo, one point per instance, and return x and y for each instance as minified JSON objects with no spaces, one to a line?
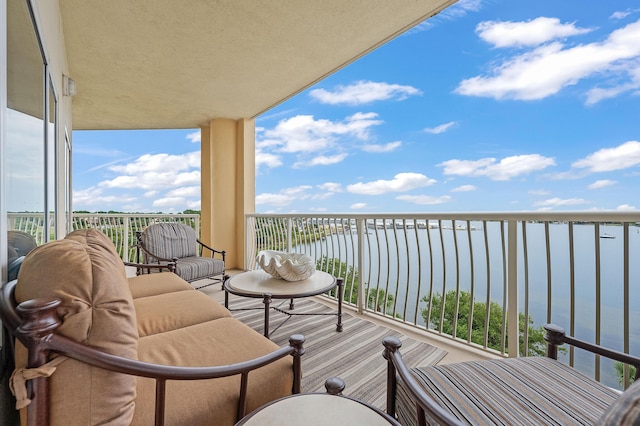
{"x":286,"y":266}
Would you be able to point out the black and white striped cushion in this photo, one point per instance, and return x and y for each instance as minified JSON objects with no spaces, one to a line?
{"x":514,"y":391}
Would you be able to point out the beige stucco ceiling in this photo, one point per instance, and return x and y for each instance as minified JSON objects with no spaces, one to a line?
{"x":178,"y":64}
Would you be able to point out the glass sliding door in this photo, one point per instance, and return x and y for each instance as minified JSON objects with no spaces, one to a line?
{"x":51,"y":155}
{"x":25,"y":148}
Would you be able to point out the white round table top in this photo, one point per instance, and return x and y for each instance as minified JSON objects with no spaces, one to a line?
{"x":316,"y":409}
{"x":257,"y":283}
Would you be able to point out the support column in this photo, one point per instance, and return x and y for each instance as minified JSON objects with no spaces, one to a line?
{"x":228,"y":185}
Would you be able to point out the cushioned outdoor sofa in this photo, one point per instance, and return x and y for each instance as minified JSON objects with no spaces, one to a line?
{"x":80,"y":324}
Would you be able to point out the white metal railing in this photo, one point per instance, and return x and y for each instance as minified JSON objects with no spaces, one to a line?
{"x":31,"y":223}
{"x":120,"y":227}
{"x":453,"y":273}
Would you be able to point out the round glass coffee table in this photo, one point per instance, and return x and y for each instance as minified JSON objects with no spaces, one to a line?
{"x":259,"y":284}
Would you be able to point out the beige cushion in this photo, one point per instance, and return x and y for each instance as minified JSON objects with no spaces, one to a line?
{"x":210,"y":402}
{"x":153,"y":284}
{"x":86,"y":274}
{"x":171,"y":311}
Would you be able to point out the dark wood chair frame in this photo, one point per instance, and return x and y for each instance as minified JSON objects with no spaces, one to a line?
{"x":140,"y":249}
{"x":554,"y":336}
{"x":34,"y":323}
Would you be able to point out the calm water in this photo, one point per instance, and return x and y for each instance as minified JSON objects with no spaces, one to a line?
{"x":408,"y":264}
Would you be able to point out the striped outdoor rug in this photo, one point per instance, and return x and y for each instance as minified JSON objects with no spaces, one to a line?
{"x":355,"y":355}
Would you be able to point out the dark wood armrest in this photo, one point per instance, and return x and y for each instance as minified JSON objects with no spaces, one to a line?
{"x":37,"y":333}
{"x":556,"y":336}
{"x":140,"y":267}
{"x":424,"y":403}
{"x":212,"y":250}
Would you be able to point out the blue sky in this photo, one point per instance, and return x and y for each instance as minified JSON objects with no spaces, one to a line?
{"x":492,"y":105}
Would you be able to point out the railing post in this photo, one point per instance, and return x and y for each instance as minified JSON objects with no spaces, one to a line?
{"x":289,"y":233}
{"x":125,"y":253}
{"x":248,"y":241}
{"x":362,"y":229}
{"x":513,"y":331}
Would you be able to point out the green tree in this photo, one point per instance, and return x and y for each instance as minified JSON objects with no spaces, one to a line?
{"x":537,"y":344}
{"x":377,"y":300}
{"x":620,"y":372}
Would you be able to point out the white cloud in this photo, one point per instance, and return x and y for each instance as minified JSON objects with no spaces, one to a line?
{"x":528,"y":33}
{"x":626,"y":208}
{"x":455,"y":11}
{"x":194,"y":137}
{"x":176,"y":204}
{"x":545,"y":70}
{"x":331,"y":187}
{"x":601,"y":184}
{"x":320,"y":160}
{"x":609,"y":159}
{"x":94,"y":197}
{"x":358,"y":206}
{"x":267,"y":159}
{"x":171,"y":181}
{"x":272,"y":116}
{"x":284,"y":197}
{"x":150,"y":180}
{"x":305,"y":134}
{"x":557,"y":202}
{"x":363,"y":92}
{"x":598,"y":94}
{"x":462,"y":8}
{"x":169,"y":201}
{"x":327,"y":190}
{"x":464,"y":188}
{"x":620,"y":14}
{"x":194,"y":205}
{"x":400,"y":183}
{"x":507,"y":168}
{"x":315,"y":142}
{"x":623,"y":13}
{"x":185,"y":191}
{"x":160,"y":163}
{"x":391,"y":146}
{"x":440,"y":129}
{"x":538,"y":192}
{"x":150,"y":172}
{"x":424,"y":199}
{"x":274,"y":199}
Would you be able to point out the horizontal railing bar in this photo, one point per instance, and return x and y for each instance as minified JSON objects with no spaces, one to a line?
{"x":478,"y":216}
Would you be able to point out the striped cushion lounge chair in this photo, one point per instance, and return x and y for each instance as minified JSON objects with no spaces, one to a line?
{"x":510,"y":391}
{"x":171,"y":242}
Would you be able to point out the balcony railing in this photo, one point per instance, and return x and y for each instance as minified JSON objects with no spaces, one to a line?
{"x":459,"y":274}
{"x":120,"y":227}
